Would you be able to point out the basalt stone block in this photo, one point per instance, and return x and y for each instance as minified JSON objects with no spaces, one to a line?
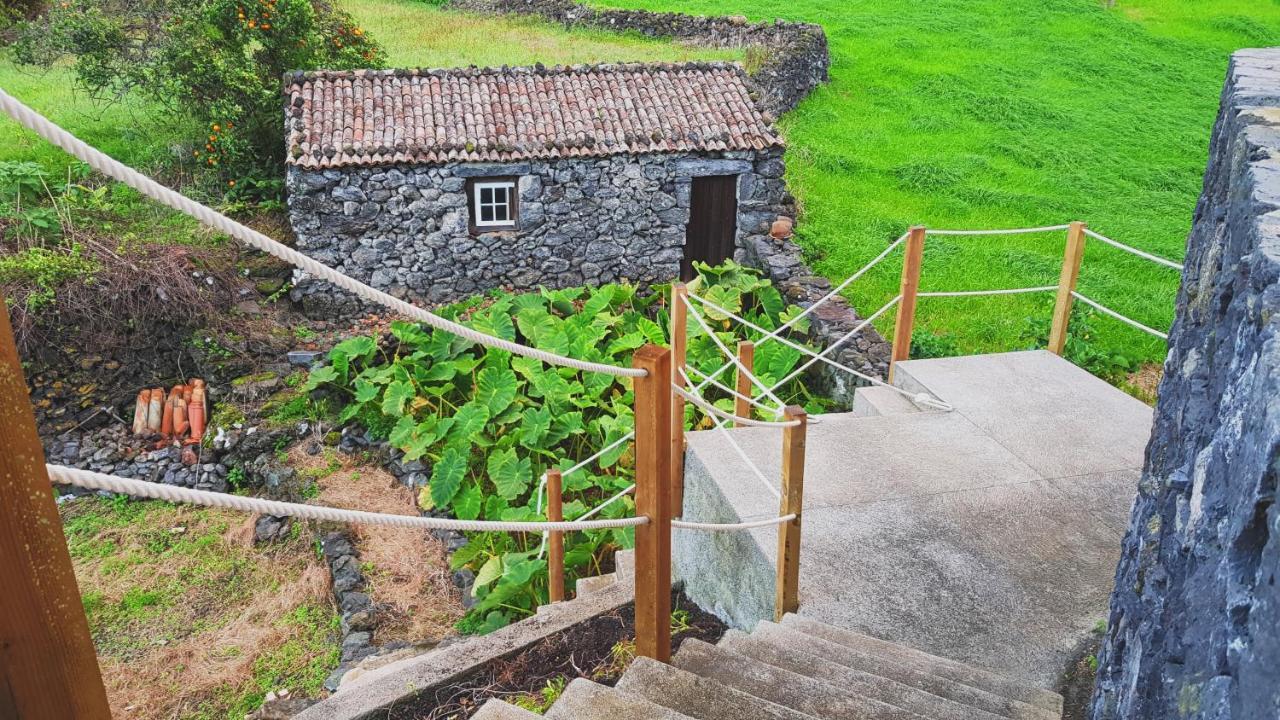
{"x":471,"y":170}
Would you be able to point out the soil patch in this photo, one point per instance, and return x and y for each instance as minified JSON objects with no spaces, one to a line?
{"x":1076,"y":686}
{"x":407,"y":570}
{"x":599,"y":649}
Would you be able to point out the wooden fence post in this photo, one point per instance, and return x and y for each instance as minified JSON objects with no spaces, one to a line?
{"x":787,"y":585}
{"x":904,"y":324}
{"x":48,"y":667}
{"x":679,"y":347}
{"x":746,"y":356}
{"x":1071,"y":258}
{"x":653,"y":497}
{"x":555,"y":538}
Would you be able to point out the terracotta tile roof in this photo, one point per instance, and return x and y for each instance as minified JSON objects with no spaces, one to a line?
{"x":373,"y":117}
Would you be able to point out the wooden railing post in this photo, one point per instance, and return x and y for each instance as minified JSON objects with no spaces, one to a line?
{"x":1071,"y":258}
{"x":48,"y":667}
{"x":555,"y":538}
{"x":679,"y":345}
{"x":787,"y":598}
{"x":746,"y":356}
{"x":906,"y":318}
{"x":653,"y":498}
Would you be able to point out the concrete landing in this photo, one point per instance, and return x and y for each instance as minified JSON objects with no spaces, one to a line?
{"x":988,"y":534}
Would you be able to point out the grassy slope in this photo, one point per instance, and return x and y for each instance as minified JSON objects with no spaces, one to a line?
{"x":1001,"y":113}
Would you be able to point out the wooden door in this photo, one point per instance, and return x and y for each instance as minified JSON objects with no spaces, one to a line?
{"x":713,"y":216}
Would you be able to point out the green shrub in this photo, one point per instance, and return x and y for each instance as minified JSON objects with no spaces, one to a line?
{"x":217,"y":61}
{"x":490,"y":423}
{"x":41,"y":271}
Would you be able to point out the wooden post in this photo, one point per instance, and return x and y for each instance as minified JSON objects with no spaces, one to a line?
{"x":746,"y":356}
{"x":48,"y":668}
{"x":787,"y":585}
{"x":653,"y":481}
{"x":679,"y":345}
{"x":906,"y":318}
{"x":1066,"y":285}
{"x":555,"y":538}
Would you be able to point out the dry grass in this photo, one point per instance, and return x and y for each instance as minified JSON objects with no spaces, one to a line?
{"x":1144,"y":383}
{"x":189,"y":619}
{"x":407,"y":570}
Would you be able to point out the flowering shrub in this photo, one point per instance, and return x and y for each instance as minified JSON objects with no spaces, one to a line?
{"x":219,"y":62}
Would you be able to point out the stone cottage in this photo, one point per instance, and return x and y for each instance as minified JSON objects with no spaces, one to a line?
{"x":436,"y":184}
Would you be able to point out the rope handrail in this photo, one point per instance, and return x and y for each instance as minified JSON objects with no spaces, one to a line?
{"x":141,"y":488}
{"x":999,"y":231}
{"x":725,"y":388}
{"x":1122,"y":318}
{"x":621,"y":494}
{"x":822,"y":356}
{"x":1133,"y":250}
{"x":730,"y":527}
{"x":733,"y":358}
{"x":728,"y":416}
{"x":977,"y":293}
{"x":110,"y":167}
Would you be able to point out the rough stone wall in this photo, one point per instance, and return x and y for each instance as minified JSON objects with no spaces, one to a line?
{"x":404,"y":229}
{"x":1195,"y":617}
{"x":796,"y":59}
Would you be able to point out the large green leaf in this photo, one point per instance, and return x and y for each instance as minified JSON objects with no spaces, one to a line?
{"x":727,"y":298}
{"x":509,"y":473}
{"x":490,"y":571}
{"x":495,"y":389}
{"x":534,"y":424}
{"x":446,"y":476}
{"x":398,"y":393}
{"x":468,"y":502}
{"x":467,"y":422}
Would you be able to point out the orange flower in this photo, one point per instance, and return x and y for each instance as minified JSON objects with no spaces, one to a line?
{"x":213,"y":138}
{"x":216,"y":128}
{"x":231,"y":183}
{"x":266,"y":26}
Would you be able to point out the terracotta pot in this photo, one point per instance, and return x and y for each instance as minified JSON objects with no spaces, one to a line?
{"x":196,"y":413}
{"x":140,"y":412}
{"x":180,"y":423}
{"x":781,"y":228}
{"x":166,"y":417}
{"x":155,"y":410}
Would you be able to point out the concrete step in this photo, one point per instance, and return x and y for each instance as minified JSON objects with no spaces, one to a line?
{"x":498,"y":710}
{"x":802,"y":660}
{"x":783,"y":687}
{"x":625,"y":564}
{"x":699,"y":697}
{"x":584,"y":699}
{"x":876,"y":400}
{"x":590,"y":585}
{"x":931,"y":664}
{"x":787,"y":637}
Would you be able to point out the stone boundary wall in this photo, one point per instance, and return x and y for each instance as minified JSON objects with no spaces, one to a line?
{"x":796,"y":56}
{"x":1194,"y":630}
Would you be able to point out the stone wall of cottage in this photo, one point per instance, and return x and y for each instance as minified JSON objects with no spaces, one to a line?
{"x":405,"y":229}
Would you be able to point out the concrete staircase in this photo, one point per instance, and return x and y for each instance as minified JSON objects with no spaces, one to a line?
{"x":798,"y":669}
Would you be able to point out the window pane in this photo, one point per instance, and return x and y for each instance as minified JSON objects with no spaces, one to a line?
{"x":486,"y":195}
{"x":500,"y":213}
{"x":486,"y":213}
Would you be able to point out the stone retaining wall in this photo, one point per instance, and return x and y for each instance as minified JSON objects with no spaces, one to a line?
{"x":795,"y":55}
{"x":1195,"y":617}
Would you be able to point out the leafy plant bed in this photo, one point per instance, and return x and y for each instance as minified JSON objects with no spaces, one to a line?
{"x":599,"y":649}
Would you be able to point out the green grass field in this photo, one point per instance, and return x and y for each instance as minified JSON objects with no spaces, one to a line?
{"x":1006,"y":113}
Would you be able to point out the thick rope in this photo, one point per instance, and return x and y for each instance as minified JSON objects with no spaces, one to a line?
{"x":725,"y":388}
{"x":730,"y":417}
{"x":1010,"y":231}
{"x":621,"y":494}
{"x":975,"y":293}
{"x":141,"y":488}
{"x":730,"y":527}
{"x":1133,"y":250}
{"x":112,"y":168}
{"x":1108,"y":311}
{"x":733,"y":358}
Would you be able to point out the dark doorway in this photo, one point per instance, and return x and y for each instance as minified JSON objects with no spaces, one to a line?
{"x":713,"y":215}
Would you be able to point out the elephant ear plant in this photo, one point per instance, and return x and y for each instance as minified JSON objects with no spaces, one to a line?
{"x":489,"y":423}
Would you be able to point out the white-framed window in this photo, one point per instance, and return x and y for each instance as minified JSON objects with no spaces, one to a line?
{"x":493,"y":204}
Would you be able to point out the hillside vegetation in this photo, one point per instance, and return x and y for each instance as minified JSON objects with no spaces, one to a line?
{"x":1008,"y":113}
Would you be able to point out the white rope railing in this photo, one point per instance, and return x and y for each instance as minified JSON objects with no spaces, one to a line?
{"x":822,"y":356}
{"x":1008,"y":231}
{"x":541,"y":491}
{"x":156,"y":491}
{"x":977,"y":293}
{"x":110,"y":167}
{"x":1133,"y":250}
{"x":731,"y":527}
{"x":733,"y":358}
{"x":720,"y":422}
{"x":595,"y":510}
{"x":1127,"y":320}
{"x":725,"y":388}
{"x":707,"y":407}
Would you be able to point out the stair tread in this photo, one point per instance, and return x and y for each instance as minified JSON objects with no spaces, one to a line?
{"x":498,"y":710}
{"x":697,"y":696}
{"x":586,"y":699}
{"x":892,"y":692}
{"x":785,"y":636}
{"x":874,"y":400}
{"x":932,"y":664}
{"x":783,"y":687}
